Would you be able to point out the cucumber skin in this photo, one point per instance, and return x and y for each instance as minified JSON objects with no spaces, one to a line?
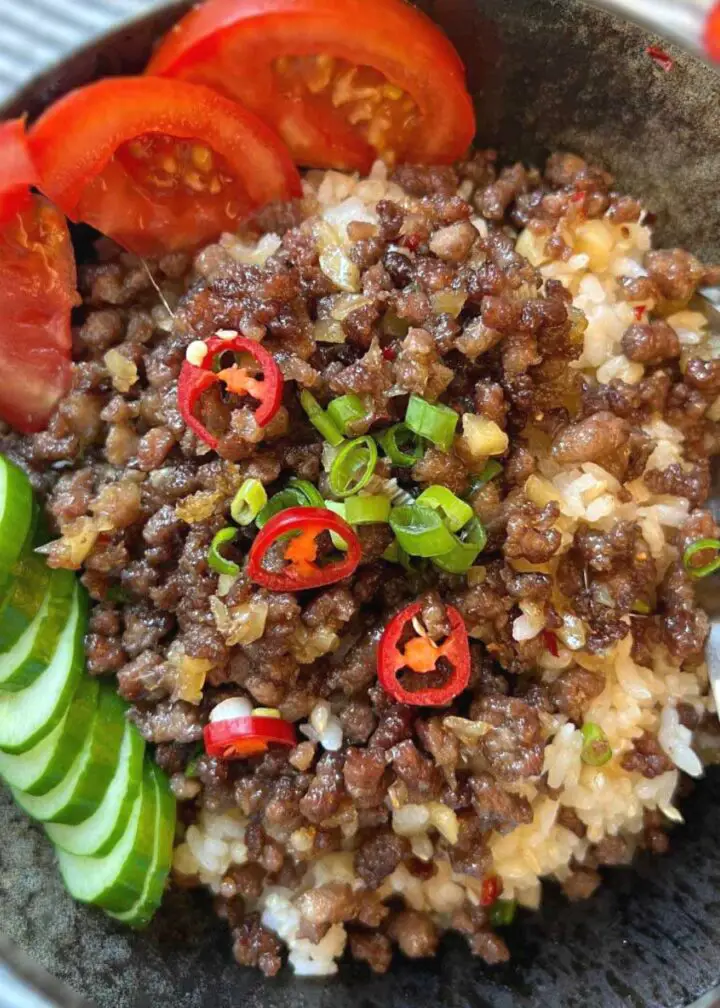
{"x":20,"y":515}
{"x":102,"y":742}
{"x":70,"y":685}
{"x":136,"y":763}
{"x":82,"y":707}
{"x":144,"y":910}
{"x":29,"y":582}
{"x":61,"y":585}
{"x":121,"y":893}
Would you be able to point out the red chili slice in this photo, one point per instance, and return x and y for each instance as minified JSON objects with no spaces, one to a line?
{"x":239,"y":738}
{"x":302,"y":570}
{"x":195,"y":379}
{"x":491,"y":889}
{"x":421,"y":655}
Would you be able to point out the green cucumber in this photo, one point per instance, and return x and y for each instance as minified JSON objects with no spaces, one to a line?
{"x":142,"y":912}
{"x":16,"y":516}
{"x":44,"y":766}
{"x":34,"y":649}
{"x":25,"y":595}
{"x":77,"y":796}
{"x":30,"y":715}
{"x":99,"y":833}
{"x":117,"y":881}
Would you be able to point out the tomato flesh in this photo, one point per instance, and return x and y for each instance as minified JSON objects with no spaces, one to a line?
{"x":37,"y":293}
{"x":342,"y":81}
{"x":158,"y":165}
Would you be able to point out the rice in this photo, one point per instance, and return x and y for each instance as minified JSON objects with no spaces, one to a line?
{"x":608,"y":801}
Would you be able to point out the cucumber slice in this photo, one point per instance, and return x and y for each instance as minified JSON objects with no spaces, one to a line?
{"x":98,"y":834}
{"x":34,"y":649}
{"x":79,"y":794}
{"x":16,"y":515}
{"x":26,"y":591}
{"x":29,"y":716}
{"x":142,"y":912}
{"x":45,"y":765}
{"x":117,"y":881}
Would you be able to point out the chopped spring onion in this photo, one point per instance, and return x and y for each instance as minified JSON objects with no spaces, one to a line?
{"x":698,"y":547}
{"x":455,"y":512}
{"x":338,"y":508}
{"x":346,"y":410}
{"x":308,"y":490}
{"x":467,"y":546}
{"x":367,"y":510}
{"x":353,"y":467}
{"x":502,"y":912}
{"x":298,"y":493}
{"x":641,"y":607}
{"x":596,"y":749}
{"x":319,"y":418}
{"x":215,"y":559}
{"x":420,"y":531}
{"x":248,"y":502}
{"x":491,"y":470}
{"x":401,"y":445}
{"x":433,"y":421}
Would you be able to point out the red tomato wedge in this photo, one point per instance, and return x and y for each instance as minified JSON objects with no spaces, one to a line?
{"x":158,"y":165}
{"x":37,"y":293}
{"x":17,"y":172}
{"x":342,"y":81}
{"x":37,"y":290}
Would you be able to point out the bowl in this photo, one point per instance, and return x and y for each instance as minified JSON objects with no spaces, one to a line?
{"x":546,"y":74}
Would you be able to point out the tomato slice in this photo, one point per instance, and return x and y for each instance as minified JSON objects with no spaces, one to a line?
{"x":342,"y":81}
{"x":17,"y":171}
{"x":158,"y":165}
{"x":37,"y":293}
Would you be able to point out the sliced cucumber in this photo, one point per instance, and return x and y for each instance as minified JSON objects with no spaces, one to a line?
{"x":16,"y":515}
{"x":26,"y":592}
{"x":44,"y":766}
{"x":79,"y":794}
{"x":99,"y":833}
{"x":29,"y":716}
{"x":117,"y":881}
{"x":34,"y":649}
{"x":142,"y":912}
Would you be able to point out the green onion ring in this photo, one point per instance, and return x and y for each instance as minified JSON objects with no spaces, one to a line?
{"x":433,"y":421}
{"x":455,"y":512}
{"x":319,"y":418}
{"x":698,"y":547}
{"x":596,"y":749}
{"x":420,"y":531}
{"x":215,"y":559}
{"x":346,"y":410}
{"x":248,"y":502}
{"x":343,"y":477}
{"x":367,"y":510}
{"x":391,"y":440}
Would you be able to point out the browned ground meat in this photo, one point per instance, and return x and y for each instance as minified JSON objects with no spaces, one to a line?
{"x":451,"y":311}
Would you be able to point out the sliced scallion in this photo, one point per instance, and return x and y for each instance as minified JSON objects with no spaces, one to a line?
{"x":433,"y":421}
{"x":698,"y":547}
{"x":401,"y":445}
{"x":338,"y":508}
{"x":455,"y":512}
{"x":502,"y":912}
{"x":491,"y":470}
{"x":596,"y":749}
{"x":353,"y":466}
{"x":215,"y":559}
{"x":420,"y":531}
{"x":367,"y":510}
{"x":298,"y":493}
{"x":345,"y":411}
{"x":319,"y":418}
{"x":466,"y":548}
{"x":248,"y":502}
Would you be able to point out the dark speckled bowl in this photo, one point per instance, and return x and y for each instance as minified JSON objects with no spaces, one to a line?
{"x":546,"y":74}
